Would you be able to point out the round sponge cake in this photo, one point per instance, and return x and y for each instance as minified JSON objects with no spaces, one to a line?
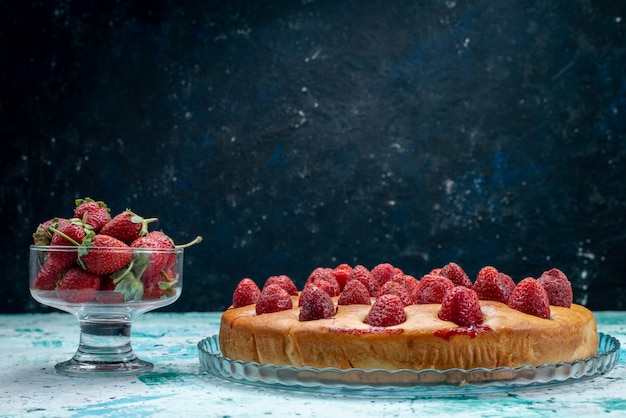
{"x":506,"y":338}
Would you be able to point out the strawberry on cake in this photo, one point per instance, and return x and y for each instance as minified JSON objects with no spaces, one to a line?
{"x":352,"y":317}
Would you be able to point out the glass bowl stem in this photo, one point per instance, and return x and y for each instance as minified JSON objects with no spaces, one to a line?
{"x":104,"y":349}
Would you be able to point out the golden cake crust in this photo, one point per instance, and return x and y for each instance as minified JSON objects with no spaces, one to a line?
{"x":506,"y":338}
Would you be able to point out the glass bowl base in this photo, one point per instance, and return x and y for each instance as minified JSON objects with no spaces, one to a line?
{"x":73,"y":367}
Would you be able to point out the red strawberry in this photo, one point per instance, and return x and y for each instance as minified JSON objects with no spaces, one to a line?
{"x":43,"y":234}
{"x":69,"y":232}
{"x":386,"y":311}
{"x":363,"y":275}
{"x":107,"y":293}
{"x":398,"y":274}
{"x":49,"y":274}
{"x":330,"y":287}
{"x":507,"y":280}
{"x":315,"y":304}
{"x":395,"y":288}
{"x":162,"y":238}
{"x":283,"y":281}
{"x":490,"y":284}
{"x":165,"y":242}
{"x":127,"y":226}
{"x":432,"y":289}
{"x":78,"y":286}
{"x":460,"y":305}
{"x":455,"y":273}
{"x":273,"y":298}
{"x":558,"y":287}
{"x":159,"y":285}
{"x":412,"y":286}
{"x":324,"y":278}
{"x":92,"y":213}
{"x":487,"y":272}
{"x":354,"y":293}
{"x":555,"y":273}
{"x":383,"y":273}
{"x":158,"y":260}
{"x":107,"y":283}
{"x":321,"y":273}
{"x":105,"y":255}
{"x":531,"y":298}
{"x":343,"y":273}
{"x":151,"y":287}
{"x":246,"y":293}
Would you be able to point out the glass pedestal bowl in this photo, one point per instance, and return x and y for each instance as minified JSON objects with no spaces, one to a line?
{"x":105,"y":304}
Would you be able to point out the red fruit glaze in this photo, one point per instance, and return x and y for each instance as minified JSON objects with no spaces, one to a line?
{"x":558,"y":288}
{"x":354,"y":293}
{"x":490,"y":284}
{"x":387,"y":310}
{"x":78,"y":286}
{"x":531,"y":298}
{"x":472,"y":331}
{"x":315,"y":304}
{"x":246,"y":293}
{"x":455,"y":273}
{"x":432,"y":289}
{"x":395,"y":288}
{"x":366,"y":331}
{"x":460,"y":305}
{"x":273,"y":298}
{"x":283,"y":281}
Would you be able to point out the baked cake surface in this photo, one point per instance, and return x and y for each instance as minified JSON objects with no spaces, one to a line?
{"x":504,"y":336}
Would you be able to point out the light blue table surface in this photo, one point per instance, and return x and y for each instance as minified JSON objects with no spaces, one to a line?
{"x":33,"y":343}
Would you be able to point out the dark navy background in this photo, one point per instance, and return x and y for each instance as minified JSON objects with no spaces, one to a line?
{"x":297,"y":134}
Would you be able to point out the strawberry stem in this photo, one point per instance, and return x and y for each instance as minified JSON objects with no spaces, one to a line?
{"x":134,"y":218}
{"x":70,"y":239}
{"x":190,"y":243}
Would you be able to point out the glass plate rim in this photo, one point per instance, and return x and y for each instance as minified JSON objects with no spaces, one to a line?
{"x":407,"y":382}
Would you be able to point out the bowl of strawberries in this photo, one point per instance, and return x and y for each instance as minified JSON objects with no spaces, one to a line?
{"x":105,"y":270}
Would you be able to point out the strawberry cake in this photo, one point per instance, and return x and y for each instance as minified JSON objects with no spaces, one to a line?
{"x":352,"y":317}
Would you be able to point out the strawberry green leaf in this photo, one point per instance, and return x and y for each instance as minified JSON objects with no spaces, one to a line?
{"x":131,"y":287}
{"x":141,"y":263}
